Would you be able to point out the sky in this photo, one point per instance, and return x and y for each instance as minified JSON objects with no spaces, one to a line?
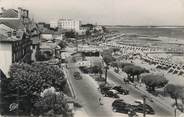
{"x":107,"y":12}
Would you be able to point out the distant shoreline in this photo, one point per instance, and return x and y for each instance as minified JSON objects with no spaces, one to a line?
{"x":127,"y":26}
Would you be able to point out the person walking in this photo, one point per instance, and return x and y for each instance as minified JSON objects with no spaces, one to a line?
{"x":100,"y":99}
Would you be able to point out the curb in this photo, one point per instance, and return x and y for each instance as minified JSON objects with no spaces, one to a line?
{"x":69,"y":84}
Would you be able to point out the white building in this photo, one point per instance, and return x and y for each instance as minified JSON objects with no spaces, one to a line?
{"x":69,"y":24}
{"x":46,"y":37}
{"x":87,"y":48}
{"x":83,"y":64}
{"x":53,"y":24}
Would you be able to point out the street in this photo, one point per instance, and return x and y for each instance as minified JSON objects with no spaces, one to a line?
{"x":87,"y":94}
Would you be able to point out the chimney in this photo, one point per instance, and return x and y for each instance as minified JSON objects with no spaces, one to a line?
{"x":19,"y":12}
{"x":2,"y":9}
{"x":27,"y":13}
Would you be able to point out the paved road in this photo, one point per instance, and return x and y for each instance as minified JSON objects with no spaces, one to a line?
{"x":87,"y":94}
{"x":160,"y":109}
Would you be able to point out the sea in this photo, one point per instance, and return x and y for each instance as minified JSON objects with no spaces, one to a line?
{"x":171,"y":32}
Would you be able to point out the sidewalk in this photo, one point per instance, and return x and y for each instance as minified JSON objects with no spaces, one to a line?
{"x":68,"y":82}
{"x":80,"y":113}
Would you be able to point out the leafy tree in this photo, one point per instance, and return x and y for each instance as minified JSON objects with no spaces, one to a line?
{"x":96,"y":69}
{"x":62,"y":44}
{"x":153,"y":81}
{"x":107,"y":56}
{"x":133,"y":71}
{"x":104,"y":29}
{"x":51,"y":104}
{"x":122,"y":65}
{"x":116,"y":49}
{"x":26,"y":82}
{"x":43,"y":56}
{"x":70,"y":34}
{"x":115,"y":64}
{"x":175,"y":91}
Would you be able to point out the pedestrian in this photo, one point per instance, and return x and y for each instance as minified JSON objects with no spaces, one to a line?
{"x":100,"y":101}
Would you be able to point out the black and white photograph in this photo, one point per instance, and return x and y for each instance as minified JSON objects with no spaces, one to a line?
{"x":91,"y":58}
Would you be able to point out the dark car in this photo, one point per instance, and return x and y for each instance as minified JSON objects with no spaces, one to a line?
{"x":118,"y":102}
{"x":121,"y":90}
{"x":77,"y":75}
{"x":139,"y":109}
{"x":121,"y":106}
{"x":104,"y":89}
{"x":110,"y":93}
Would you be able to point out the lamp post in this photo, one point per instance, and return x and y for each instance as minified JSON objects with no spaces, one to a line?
{"x":144,"y":106}
{"x":106,"y":67}
{"x":175,"y":109}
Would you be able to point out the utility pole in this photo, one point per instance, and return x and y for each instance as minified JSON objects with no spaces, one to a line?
{"x":175,"y":109}
{"x":144,"y":106}
{"x":106,"y":67}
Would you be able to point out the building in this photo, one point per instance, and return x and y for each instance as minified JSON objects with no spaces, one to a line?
{"x":83,"y":64}
{"x":69,"y":24}
{"x":14,"y":48}
{"x":88,"y":49}
{"x":53,"y":24}
{"x":15,"y":43}
{"x":46,"y":37}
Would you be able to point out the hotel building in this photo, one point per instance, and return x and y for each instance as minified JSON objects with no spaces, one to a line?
{"x":69,"y":24}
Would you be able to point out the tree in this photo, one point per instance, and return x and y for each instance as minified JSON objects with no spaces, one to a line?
{"x":51,"y":103}
{"x":104,"y":29}
{"x":43,"y":56}
{"x":96,"y":69}
{"x":175,"y":92}
{"x":107,"y":56}
{"x":62,"y":44}
{"x":153,"y":81}
{"x":70,"y":34}
{"x":26,"y":82}
{"x":133,"y":71}
{"x":115,"y":64}
{"x":108,"y":59}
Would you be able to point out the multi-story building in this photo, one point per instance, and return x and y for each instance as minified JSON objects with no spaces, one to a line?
{"x":15,"y":42}
{"x":69,"y":24}
{"x":53,"y":24}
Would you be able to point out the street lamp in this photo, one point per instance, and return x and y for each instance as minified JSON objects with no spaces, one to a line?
{"x":144,"y":105}
{"x":106,"y":68}
{"x":175,"y":109}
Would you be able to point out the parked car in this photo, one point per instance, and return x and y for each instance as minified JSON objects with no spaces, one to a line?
{"x":139,"y":108}
{"x":118,"y":102}
{"x":111,"y":93}
{"x":121,"y":90}
{"x":77,"y":75}
{"x":103,"y":89}
{"x":121,"y":106}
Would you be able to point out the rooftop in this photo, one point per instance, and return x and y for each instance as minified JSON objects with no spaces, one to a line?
{"x":12,"y":23}
{"x":9,"y":13}
{"x":4,"y":38}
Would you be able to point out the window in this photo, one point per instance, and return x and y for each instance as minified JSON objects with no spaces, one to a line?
{"x":34,"y":47}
